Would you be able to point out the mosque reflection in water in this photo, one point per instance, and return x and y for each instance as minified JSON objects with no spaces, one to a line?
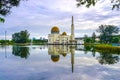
{"x":55,"y":52}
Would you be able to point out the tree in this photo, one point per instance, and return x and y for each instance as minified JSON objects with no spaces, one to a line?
{"x":24,"y":36}
{"x":115,"y":40}
{"x":21,"y":37}
{"x":88,"y":3}
{"x":93,"y":37}
{"x":6,"y":6}
{"x":106,"y":32}
{"x":87,"y":39}
{"x":2,"y":20}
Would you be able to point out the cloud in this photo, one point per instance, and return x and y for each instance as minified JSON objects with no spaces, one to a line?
{"x":38,"y":16}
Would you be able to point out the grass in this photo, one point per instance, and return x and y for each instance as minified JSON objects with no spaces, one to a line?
{"x":21,"y":44}
{"x":107,"y":48}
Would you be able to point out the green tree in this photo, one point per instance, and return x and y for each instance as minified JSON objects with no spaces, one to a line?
{"x":115,"y":40}
{"x":24,"y":36}
{"x":93,"y":37}
{"x":88,"y":3}
{"x":87,"y":39}
{"x":16,"y":37}
{"x":106,"y":32}
{"x":21,"y":37}
{"x":2,"y":20}
{"x":6,"y":6}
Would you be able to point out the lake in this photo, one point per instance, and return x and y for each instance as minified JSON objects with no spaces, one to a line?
{"x":57,"y":63}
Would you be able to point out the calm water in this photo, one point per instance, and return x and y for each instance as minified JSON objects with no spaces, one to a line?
{"x":57,"y":63}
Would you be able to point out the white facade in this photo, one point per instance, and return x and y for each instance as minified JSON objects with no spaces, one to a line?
{"x":58,"y":39}
{"x":80,"y":41}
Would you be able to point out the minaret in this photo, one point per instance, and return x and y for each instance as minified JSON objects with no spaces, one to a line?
{"x":72,"y":29}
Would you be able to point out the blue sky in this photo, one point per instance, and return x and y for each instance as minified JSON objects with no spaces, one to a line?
{"x":39,"y":16}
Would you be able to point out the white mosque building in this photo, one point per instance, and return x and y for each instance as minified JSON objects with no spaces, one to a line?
{"x":56,"y":38}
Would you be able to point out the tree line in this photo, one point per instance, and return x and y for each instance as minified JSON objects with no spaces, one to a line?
{"x":23,"y":37}
{"x":107,"y":35}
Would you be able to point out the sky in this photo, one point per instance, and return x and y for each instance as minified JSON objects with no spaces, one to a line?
{"x":39,"y":16}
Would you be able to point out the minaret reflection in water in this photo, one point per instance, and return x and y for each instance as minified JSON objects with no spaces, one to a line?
{"x":72,"y":50}
{"x":56,"y":50}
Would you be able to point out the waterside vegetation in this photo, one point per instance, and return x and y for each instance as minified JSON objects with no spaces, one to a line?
{"x":107,"y":48}
{"x":104,"y":48}
{"x":108,"y":36}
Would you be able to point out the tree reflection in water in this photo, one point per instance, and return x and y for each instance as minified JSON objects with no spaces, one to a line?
{"x":87,"y":48}
{"x":107,"y":58}
{"x":103,"y":57}
{"x":23,"y":52}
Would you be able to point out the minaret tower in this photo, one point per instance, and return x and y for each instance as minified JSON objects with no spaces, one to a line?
{"x":72,"y":29}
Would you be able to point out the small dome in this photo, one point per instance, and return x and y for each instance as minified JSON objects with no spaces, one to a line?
{"x":55,"y":29}
{"x":64,"y":54}
{"x":64,"y":33}
{"x":55,"y":58}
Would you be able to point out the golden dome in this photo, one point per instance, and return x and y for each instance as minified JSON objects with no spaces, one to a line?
{"x":64,"y":54}
{"x":55,"y":58}
{"x":55,"y":29}
{"x":64,"y":33}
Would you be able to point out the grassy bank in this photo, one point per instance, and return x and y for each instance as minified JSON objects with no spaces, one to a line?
{"x":107,"y":48}
{"x":21,"y":44}
{"x":26,"y":44}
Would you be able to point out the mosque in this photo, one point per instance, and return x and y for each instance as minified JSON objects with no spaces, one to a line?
{"x":56,"y":38}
